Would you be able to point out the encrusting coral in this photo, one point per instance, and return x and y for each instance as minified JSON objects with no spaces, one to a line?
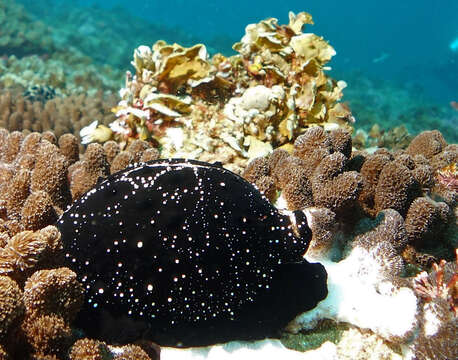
{"x":229,"y":109}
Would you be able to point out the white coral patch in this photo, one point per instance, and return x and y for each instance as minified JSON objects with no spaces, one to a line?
{"x":161,"y":108}
{"x":431,"y":323}
{"x":265,"y":349}
{"x":87,"y":132}
{"x":358,"y":295}
{"x":120,"y":127}
{"x":176,"y":137}
{"x":255,"y":100}
{"x":142,"y":114}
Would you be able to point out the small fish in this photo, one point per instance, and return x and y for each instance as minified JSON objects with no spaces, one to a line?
{"x":187,"y":253}
{"x":381,"y":58}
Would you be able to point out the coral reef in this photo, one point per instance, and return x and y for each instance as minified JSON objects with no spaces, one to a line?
{"x":378,"y":215}
{"x":30,"y":254}
{"x":397,"y":138}
{"x":229,"y":109}
{"x":65,"y":72}
{"x":315,"y":174}
{"x":39,"y":298}
{"x":98,"y":31}
{"x":35,"y":62}
{"x":406,"y":182}
{"x":439,"y":303}
{"x":60,"y":115}
{"x":400,"y":107}
{"x":20,"y":34}
{"x":325,"y":178}
{"x":34,"y":189}
{"x":98,"y":162}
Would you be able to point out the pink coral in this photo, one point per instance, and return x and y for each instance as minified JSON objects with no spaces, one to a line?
{"x":448,"y":177}
{"x":441,"y":283}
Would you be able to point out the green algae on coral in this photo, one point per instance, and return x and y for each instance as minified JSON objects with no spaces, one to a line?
{"x":326,"y":330}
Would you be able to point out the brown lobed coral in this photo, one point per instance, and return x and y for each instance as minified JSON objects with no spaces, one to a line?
{"x":314,"y":175}
{"x":40,"y":174}
{"x":406,"y":181}
{"x":322,"y":172}
{"x":88,"y":349}
{"x":34,"y":187}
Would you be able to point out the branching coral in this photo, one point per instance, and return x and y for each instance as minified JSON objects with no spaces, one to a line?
{"x":273,"y":94}
{"x":85,"y":173}
{"x":28,"y":250}
{"x":405,"y":181}
{"x":428,"y":144}
{"x":35,"y":187}
{"x":87,"y":349}
{"x":448,"y":177}
{"x":439,"y":284}
{"x":425,"y":219}
{"x":53,"y":292}
{"x":34,"y":190}
{"x":396,"y":188}
{"x":47,"y":334}
{"x":61,"y":115}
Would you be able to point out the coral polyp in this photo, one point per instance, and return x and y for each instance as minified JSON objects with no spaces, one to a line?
{"x":441,"y":283}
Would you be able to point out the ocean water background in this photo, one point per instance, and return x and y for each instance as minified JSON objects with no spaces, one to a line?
{"x":407,"y":43}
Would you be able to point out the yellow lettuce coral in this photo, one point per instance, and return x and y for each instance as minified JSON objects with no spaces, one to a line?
{"x":230,"y":109}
